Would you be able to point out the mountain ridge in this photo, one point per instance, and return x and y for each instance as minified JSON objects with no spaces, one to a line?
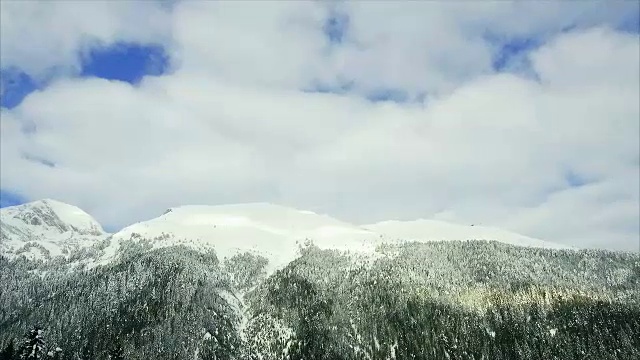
{"x":263,"y":228}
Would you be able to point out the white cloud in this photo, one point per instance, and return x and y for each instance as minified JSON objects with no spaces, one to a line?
{"x":603,"y":214}
{"x":230,"y":123}
{"x":434,"y":46}
{"x":596,"y":57}
{"x":270,"y":43}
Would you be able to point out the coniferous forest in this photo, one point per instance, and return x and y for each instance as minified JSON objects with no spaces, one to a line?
{"x":441,"y":300}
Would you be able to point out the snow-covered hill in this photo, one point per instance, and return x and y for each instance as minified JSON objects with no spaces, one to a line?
{"x":50,"y":228}
{"x":435,"y":230}
{"x":45,"y":228}
{"x":275,"y":232}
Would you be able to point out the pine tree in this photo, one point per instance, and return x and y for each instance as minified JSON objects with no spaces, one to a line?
{"x":33,"y":346}
{"x":116,"y":353}
{"x":55,"y":354}
{"x":9,"y":352}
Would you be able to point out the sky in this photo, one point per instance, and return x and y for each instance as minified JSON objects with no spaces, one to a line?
{"x":519,"y":115}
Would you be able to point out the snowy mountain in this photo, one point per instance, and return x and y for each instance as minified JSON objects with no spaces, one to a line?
{"x":46,"y":228}
{"x":272,"y":231}
{"x":155,"y":290}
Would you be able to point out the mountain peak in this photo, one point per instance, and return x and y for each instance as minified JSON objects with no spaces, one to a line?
{"x":260,"y":210}
{"x":273,"y":231}
{"x":53,"y":216}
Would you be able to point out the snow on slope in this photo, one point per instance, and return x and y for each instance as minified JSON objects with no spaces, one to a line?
{"x":435,"y":230}
{"x":272,"y":231}
{"x":54,"y":226}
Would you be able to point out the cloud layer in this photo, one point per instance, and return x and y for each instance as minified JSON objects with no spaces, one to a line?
{"x":549,"y":147}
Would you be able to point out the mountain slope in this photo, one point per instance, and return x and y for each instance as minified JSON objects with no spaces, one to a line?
{"x":272,"y":231}
{"x":435,"y":230}
{"x":46,"y":228}
{"x":172,"y":303}
{"x":471,"y":300}
{"x":451,"y":300}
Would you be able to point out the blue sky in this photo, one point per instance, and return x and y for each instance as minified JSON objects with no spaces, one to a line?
{"x":121,"y":62}
{"x":125,"y":62}
{"x":9,"y":199}
{"x":16,"y":85}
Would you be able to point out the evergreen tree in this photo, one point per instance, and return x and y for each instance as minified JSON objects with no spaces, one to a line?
{"x":55,"y":354}
{"x":33,"y":346}
{"x":9,"y":352}
{"x":116,"y":353}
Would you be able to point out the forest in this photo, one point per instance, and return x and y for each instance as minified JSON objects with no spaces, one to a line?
{"x":441,"y":300}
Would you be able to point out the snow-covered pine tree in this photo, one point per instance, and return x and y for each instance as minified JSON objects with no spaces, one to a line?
{"x":55,"y":354}
{"x":33,"y":346}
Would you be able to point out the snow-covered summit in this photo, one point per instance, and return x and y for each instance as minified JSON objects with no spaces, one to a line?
{"x":47,"y":228}
{"x":51,"y":225}
{"x":269,"y":230}
{"x":266,"y":216}
{"x":52,"y":216}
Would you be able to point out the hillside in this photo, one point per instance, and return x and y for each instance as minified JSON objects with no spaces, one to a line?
{"x":451,"y":300}
{"x":272,"y":231}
